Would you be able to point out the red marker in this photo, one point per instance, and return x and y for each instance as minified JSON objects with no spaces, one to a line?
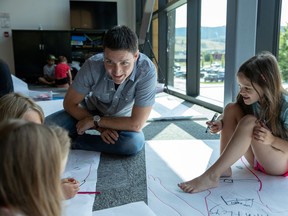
{"x":89,"y":192}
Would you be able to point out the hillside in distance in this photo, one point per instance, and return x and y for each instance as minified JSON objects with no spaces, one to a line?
{"x":217,"y":34}
{"x":212,"y":39}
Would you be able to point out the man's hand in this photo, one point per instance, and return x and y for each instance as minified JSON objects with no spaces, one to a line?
{"x":109,"y":136}
{"x":84,"y":125}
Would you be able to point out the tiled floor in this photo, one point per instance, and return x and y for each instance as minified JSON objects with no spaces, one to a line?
{"x":178,"y":126}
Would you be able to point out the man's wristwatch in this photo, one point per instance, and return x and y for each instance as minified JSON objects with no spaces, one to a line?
{"x":96,"y":120}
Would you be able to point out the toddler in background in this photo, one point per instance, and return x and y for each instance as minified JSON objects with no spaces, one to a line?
{"x":49,"y":71}
{"x":63,"y":76}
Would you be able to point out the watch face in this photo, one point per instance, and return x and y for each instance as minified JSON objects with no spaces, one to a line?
{"x":96,"y":118}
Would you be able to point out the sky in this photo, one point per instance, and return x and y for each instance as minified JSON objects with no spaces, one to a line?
{"x":212,"y":17}
{"x":284,"y":14}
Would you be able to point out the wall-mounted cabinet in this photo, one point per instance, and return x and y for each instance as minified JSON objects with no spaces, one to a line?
{"x":93,"y":14}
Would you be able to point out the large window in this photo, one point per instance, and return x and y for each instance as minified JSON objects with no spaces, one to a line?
{"x":192,"y":42}
{"x":212,"y":62}
{"x":283,"y":43}
{"x":160,"y":74}
{"x":176,"y":48}
{"x":192,"y":65}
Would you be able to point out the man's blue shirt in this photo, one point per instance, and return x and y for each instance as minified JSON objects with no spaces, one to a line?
{"x":139,"y":89}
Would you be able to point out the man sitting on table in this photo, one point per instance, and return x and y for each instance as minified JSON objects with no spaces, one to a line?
{"x":113,"y":92}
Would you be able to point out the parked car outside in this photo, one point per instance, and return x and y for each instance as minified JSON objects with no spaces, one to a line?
{"x":177,"y":66}
{"x":211,"y":77}
{"x":180,"y":74}
{"x":221,"y":76}
{"x":214,"y":77}
{"x":203,"y":74}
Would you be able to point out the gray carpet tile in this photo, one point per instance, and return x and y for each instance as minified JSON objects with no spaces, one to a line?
{"x":177,"y":130}
{"x":121,"y":180}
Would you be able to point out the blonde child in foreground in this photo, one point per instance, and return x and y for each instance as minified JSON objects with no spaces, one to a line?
{"x":255,"y":126}
{"x":18,"y":106}
{"x":32,"y":158}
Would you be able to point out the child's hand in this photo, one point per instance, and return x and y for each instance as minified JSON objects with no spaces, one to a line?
{"x":262,"y":134}
{"x":214,"y":126}
{"x":70,"y":187}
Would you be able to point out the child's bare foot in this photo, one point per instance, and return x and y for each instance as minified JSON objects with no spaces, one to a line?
{"x":201,"y":183}
{"x":227,"y":173}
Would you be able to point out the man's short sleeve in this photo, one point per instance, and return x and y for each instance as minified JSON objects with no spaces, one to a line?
{"x":146,"y":87}
{"x":86,"y":77}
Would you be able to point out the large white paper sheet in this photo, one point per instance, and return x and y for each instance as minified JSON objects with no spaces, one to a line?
{"x":51,"y":106}
{"x":83,"y":166}
{"x":247,"y":192}
{"x":131,"y":209}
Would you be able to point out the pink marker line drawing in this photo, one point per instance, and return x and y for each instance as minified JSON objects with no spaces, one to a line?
{"x":175,"y":194}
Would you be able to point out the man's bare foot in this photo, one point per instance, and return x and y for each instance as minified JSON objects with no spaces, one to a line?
{"x":227,"y":173}
{"x":201,"y":183}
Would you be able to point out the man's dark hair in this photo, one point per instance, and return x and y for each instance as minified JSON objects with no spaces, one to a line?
{"x":121,"y":38}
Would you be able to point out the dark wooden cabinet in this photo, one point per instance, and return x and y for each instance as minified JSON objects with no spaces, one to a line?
{"x":31,"y":48}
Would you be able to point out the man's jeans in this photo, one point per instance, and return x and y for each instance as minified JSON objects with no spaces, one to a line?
{"x":128,"y":143}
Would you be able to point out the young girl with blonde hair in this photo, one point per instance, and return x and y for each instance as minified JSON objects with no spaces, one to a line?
{"x":18,"y":106}
{"x":254,"y":126}
{"x":32,"y":158}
